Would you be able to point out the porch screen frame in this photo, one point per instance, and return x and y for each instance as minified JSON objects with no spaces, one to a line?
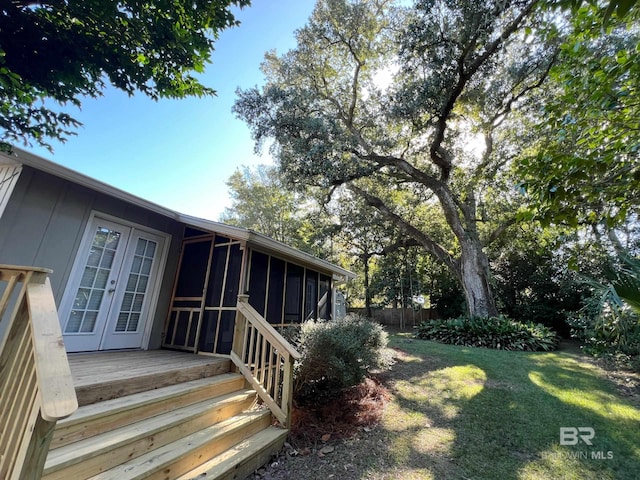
{"x":262,"y":304}
{"x":196,"y":307}
{"x":199,"y":305}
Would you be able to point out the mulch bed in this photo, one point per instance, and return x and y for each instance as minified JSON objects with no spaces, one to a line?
{"x":358,"y":407}
{"x":322,"y":432}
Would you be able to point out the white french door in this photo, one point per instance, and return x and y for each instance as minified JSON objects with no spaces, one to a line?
{"x":108,"y":297}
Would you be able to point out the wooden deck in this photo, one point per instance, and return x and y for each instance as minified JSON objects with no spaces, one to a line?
{"x":101,"y":376}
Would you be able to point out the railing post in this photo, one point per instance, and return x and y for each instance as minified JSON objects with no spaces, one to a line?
{"x":253,"y":354}
{"x":36,"y":387}
{"x":287,"y":390}
{"x":239,"y":329}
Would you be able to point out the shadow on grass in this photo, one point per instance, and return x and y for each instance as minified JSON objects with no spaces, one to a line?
{"x":476,"y":413}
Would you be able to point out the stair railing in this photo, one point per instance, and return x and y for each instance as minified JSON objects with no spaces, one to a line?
{"x":36,"y":387}
{"x":265,"y":358}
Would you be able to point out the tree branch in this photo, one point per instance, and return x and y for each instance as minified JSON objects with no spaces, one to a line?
{"x":439,"y":155}
{"x":424,"y":240}
{"x":493,"y":236}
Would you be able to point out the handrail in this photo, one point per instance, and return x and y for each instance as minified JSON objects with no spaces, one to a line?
{"x":36,"y":387}
{"x":265,"y":358}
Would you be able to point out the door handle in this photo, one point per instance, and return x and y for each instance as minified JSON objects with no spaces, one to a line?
{"x":111,"y":290}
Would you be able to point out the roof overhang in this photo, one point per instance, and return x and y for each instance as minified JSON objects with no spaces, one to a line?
{"x":252,"y":238}
{"x":268,"y":245}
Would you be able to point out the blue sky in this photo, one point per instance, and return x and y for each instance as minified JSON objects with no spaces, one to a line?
{"x":179,"y":153}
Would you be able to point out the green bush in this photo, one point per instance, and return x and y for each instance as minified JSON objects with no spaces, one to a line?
{"x":336,"y":355}
{"x":605,"y":332}
{"x":499,"y":333}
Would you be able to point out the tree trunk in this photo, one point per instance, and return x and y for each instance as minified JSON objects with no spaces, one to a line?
{"x":474,"y":276}
{"x":472,"y":268}
{"x":367,"y":290}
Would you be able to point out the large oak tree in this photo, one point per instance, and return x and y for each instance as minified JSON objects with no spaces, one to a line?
{"x":459,"y":71}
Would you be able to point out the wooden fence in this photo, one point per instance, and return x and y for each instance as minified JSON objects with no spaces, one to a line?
{"x":398,"y":318}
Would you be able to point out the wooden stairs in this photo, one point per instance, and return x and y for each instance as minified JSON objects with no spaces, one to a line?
{"x":160,"y":415}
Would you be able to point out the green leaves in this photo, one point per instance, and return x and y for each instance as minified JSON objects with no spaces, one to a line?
{"x":500,"y":333}
{"x":587,"y":168}
{"x":66,"y":50}
{"x":336,"y":355}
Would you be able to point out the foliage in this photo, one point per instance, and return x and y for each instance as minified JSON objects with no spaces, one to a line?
{"x":459,"y":69}
{"x":500,"y":333}
{"x":618,"y":7}
{"x":446,"y":296}
{"x":532,"y":280}
{"x":609,"y":323}
{"x":261,"y":202}
{"x":605,"y":332}
{"x":60,"y":51}
{"x":587,"y":167}
{"x":625,"y":284}
{"x":336,"y":355}
{"x":360,"y":234}
{"x":396,"y":278}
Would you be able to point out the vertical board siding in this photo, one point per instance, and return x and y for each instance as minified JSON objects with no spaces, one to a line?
{"x":45,"y":218}
{"x":8,"y":178}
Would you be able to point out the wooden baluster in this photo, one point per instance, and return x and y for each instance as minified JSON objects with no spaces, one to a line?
{"x":287,"y":390}
{"x":263,"y":361}
{"x":278,"y":367}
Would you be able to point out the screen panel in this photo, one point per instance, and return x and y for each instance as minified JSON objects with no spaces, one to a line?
{"x":276,"y":290}
{"x":258,"y":280}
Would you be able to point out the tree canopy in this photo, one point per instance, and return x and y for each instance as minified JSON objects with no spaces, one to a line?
{"x":59,"y":51}
{"x":585,"y":168}
{"x":262,"y":203}
{"x":459,"y":70}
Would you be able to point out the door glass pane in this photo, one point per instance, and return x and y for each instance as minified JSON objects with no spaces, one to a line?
{"x":94,"y":256}
{"x":101,"y":278}
{"x":88,"y":276}
{"x":75,"y":320}
{"x":107,"y":258}
{"x":84,"y":314}
{"x":89,"y":322}
{"x":136,"y":290}
{"x":82,"y":298}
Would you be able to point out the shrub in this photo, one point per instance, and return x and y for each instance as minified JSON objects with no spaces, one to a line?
{"x":336,"y":355}
{"x":605,"y":332}
{"x":500,"y":333}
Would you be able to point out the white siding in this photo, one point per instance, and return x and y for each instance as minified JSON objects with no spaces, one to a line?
{"x":8,"y":177}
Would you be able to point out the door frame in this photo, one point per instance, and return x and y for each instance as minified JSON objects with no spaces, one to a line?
{"x":68,"y":297}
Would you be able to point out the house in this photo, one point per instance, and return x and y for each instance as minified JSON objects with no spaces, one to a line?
{"x":130,"y":274}
{"x":120,"y":263}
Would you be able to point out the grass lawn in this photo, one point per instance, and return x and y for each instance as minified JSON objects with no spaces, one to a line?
{"x":470,"y":413}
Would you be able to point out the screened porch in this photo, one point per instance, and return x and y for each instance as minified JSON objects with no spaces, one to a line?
{"x":214,"y":269}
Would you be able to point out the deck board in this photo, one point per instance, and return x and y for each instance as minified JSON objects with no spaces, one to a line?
{"x":103,"y":375}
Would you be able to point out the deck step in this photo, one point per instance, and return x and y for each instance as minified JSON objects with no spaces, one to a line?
{"x":181,"y":456}
{"x":160,"y":415}
{"x":106,"y":450}
{"x":242,"y":459}
{"x":121,"y":383}
{"x":94,"y":419}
